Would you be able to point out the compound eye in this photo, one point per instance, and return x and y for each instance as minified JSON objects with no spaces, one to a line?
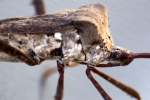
{"x":115,"y":55}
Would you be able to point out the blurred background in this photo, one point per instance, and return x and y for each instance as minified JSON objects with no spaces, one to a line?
{"x":130,"y":27}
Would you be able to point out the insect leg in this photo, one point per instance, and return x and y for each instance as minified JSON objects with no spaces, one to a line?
{"x":130,"y":91}
{"x":60,"y":84}
{"x":39,"y":7}
{"x":97,"y":85}
{"x":47,"y":73}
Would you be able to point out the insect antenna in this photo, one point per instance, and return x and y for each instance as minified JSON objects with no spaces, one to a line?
{"x":140,"y":55}
{"x":131,"y":56}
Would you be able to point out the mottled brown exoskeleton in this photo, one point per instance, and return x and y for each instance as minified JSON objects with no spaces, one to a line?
{"x":71,"y":37}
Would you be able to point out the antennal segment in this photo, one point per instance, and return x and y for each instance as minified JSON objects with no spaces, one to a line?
{"x":141,"y":55}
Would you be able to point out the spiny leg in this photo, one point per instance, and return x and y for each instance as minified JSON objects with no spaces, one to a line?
{"x":130,"y":91}
{"x":97,"y":85}
{"x":60,"y":84}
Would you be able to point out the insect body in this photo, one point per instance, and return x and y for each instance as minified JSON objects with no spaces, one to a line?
{"x":29,"y":46}
{"x":73,"y":37}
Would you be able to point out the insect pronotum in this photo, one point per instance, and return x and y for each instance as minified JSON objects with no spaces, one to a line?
{"x":71,"y":37}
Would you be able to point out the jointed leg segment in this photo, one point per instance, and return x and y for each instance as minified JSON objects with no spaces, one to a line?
{"x":113,"y":81}
{"x":60,"y":85}
{"x":47,"y":73}
{"x":97,"y":85}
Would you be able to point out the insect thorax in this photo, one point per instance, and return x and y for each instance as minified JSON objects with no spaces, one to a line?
{"x":71,"y":45}
{"x":74,"y":49}
{"x":96,"y":54}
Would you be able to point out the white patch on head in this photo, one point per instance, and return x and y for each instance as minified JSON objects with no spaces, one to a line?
{"x":58,"y":36}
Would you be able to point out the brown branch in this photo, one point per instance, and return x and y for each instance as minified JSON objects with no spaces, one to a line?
{"x":39,"y":7}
